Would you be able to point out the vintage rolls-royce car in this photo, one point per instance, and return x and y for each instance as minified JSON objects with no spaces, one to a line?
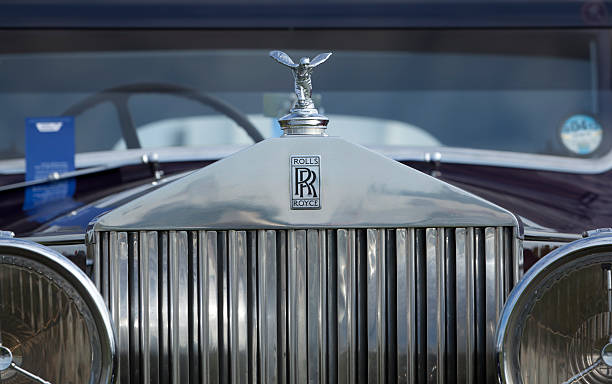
{"x":202,"y":193}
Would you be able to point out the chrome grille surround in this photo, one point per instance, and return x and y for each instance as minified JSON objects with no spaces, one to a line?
{"x":317,"y":305}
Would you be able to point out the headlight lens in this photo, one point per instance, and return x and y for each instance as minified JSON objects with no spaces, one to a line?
{"x":556,"y":324}
{"x":52,"y":320}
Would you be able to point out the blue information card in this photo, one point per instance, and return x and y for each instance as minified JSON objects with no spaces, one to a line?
{"x":49,"y":144}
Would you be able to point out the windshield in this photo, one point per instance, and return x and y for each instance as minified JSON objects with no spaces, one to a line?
{"x":526,"y":91}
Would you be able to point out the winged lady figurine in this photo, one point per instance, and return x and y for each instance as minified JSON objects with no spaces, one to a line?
{"x":302,"y":74}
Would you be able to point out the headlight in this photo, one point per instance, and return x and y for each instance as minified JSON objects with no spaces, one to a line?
{"x":556,"y":324}
{"x":53,"y":323}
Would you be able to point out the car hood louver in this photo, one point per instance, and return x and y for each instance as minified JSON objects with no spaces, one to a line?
{"x":251,"y":190}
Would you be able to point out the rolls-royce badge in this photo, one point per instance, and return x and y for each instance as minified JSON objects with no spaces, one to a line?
{"x":305,"y":182}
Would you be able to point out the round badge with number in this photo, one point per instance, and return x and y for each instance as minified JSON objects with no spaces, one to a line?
{"x":581,"y":134}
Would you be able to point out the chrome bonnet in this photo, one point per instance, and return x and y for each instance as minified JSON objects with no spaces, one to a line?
{"x":398,"y":277}
{"x":359,"y":189}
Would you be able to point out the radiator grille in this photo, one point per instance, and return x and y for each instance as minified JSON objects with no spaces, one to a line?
{"x":296,"y":306}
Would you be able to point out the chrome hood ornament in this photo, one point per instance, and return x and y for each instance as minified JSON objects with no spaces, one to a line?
{"x":304,"y":118}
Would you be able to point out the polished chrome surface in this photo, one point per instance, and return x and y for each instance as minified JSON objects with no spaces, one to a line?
{"x":6,"y":358}
{"x":454,"y":155}
{"x":465,"y":291}
{"x":406,"y":306}
{"x":376,"y":300}
{"x":346,"y":306}
{"x":303,"y":118}
{"x":606,"y":354}
{"x":307,"y":305}
{"x":240,"y":193}
{"x":52,"y":319}
{"x":436,"y":316}
{"x":557,"y":320}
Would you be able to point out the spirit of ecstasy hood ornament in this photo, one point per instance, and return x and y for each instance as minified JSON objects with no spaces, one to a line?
{"x":303,"y":119}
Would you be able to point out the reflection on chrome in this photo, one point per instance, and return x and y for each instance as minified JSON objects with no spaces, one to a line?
{"x":44,"y":330}
{"x":6,"y":362}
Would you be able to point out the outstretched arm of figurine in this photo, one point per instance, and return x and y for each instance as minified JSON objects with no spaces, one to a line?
{"x":320,"y":59}
{"x":283,"y":58}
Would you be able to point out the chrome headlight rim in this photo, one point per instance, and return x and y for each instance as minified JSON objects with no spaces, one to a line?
{"x":542,"y":275}
{"x":80,"y":283}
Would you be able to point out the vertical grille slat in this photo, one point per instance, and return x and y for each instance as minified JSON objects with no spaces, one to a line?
{"x":194,"y":308}
{"x":402,"y":305}
{"x":375,"y":302}
{"x":297,"y":310}
{"x":134,"y":306}
{"x":493,"y":293}
{"x":149,"y":296}
{"x":466,"y":341}
{"x":238,"y":306}
{"x":406,"y":306}
{"x":208,"y":291}
{"x":119,"y":297}
{"x":346,"y":306}
{"x":179,"y":306}
{"x":253,"y":310}
{"x":268,"y":319}
{"x":436,"y":315}
{"x":164,"y":310}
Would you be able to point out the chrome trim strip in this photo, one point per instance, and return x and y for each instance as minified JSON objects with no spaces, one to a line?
{"x":180,"y":268}
{"x":105,"y":285}
{"x":164,"y":275}
{"x":499,"y":158}
{"x":209,"y":320}
{"x":448,"y":155}
{"x":466,"y":337}
{"x":174,"y":293}
{"x":120,"y":302}
{"x":267,"y":278}
{"x":149,"y":335}
{"x":494,"y":293}
{"x":179,"y":306}
{"x":283,"y":297}
{"x":297,"y":298}
{"x":551,"y":236}
{"x":376,"y":313}
{"x":479,"y":304}
{"x":316,"y":313}
{"x":238,"y":306}
{"x":436,"y":316}
{"x":347,"y":306}
{"x":224,"y":341}
{"x":203,"y":295}
{"x":97,"y":259}
{"x":252,"y":306}
{"x":406,"y":306}
{"x":56,"y":177}
{"x":134,"y":307}
{"x":194,"y":307}
{"x":54,"y":239}
{"x":324,"y":291}
{"x":331,"y":326}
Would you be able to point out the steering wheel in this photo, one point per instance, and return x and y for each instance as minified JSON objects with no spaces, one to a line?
{"x":119,"y":97}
